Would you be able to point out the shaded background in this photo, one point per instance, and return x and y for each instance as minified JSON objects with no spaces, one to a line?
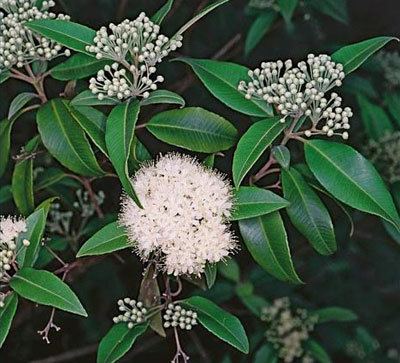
{"x":363,"y":275}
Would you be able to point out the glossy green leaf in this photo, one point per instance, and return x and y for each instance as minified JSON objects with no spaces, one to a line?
{"x":254,"y":202}
{"x":282,"y":155}
{"x":252,"y":145}
{"x":354,"y":55}
{"x":5,"y":134}
{"x":334,"y":314}
{"x":22,"y":179}
{"x":120,"y":130}
{"x":210,"y":273}
{"x":193,"y":128}
{"x":307,"y":212}
{"x":138,"y":155}
{"x":265,"y":354}
{"x":49,"y":177}
{"x":71,"y":35}
{"x":258,"y":30}
{"x":392,"y":101}
{"x":65,"y":139}
{"x":5,"y":194}
{"x":161,"y":13}
{"x":118,"y":341}
{"x":225,"y":326}
{"x":163,"y":97}
{"x":376,"y":121}
{"x":7,"y":314}
{"x":19,"y":102}
{"x":222,"y":80}
{"x":351,"y":178}
{"x":229,"y":269}
{"x":88,"y":98}
{"x":109,"y":239}
{"x":4,"y":76}
{"x":265,"y":238}
{"x":287,"y":8}
{"x":78,"y":66}
{"x":94,"y":124}
{"x":45,"y":288}
{"x":317,"y":351}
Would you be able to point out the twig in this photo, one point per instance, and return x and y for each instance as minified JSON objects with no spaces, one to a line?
{"x":50,"y":325}
{"x":179,"y":351}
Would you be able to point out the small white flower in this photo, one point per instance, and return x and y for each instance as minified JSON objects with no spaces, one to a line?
{"x":301,"y":91}
{"x":20,"y":46}
{"x":183,"y":223}
{"x":136,"y":47}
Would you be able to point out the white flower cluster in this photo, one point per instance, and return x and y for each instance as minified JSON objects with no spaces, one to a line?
{"x":301,"y":91}
{"x":10,"y":228}
{"x":183,"y":223}
{"x":175,"y":316}
{"x":287,"y":329}
{"x":133,"y":312}
{"x":137,"y":46}
{"x":18,"y":44}
{"x":389,"y":63}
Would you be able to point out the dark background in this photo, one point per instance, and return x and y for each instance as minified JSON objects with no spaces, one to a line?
{"x":363,"y":275}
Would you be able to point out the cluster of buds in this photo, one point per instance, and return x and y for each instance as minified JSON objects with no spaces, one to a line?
{"x":136,"y":47}
{"x":389,"y":63}
{"x":20,"y":46}
{"x":301,"y":91}
{"x":10,"y":229}
{"x":287,"y":329}
{"x":175,"y":316}
{"x":84,"y":203}
{"x":132,"y":312}
{"x":385,"y":155}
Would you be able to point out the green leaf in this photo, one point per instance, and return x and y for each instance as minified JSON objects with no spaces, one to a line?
{"x":229,"y":269}
{"x":43,"y":287}
{"x":49,"y":177}
{"x":392,"y":101}
{"x":22,"y":179}
{"x":354,"y":55}
{"x":307,"y":212}
{"x":282,"y":155}
{"x":162,"y":97}
{"x":78,"y":66}
{"x":334,"y":314}
{"x":258,"y":29}
{"x":109,"y":239}
{"x":5,"y":134}
{"x":4,"y":76}
{"x":150,"y":296}
{"x":35,"y":225}
{"x":87,"y":98}
{"x":7,"y":314}
{"x":138,"y":155}
{"x":200,"y":15}
{"x":356,"y":85}
{"x":376,"y":121}
{"x":120,"y":130}
{"x":118,"y":341}
{"x":211,"y":274}
{"x":19,"y":102}
{"x":254,"y":202}
{"x":94,"y":124}
{"x":252,"y":145}
{"x":265,"y":354}
{"x":222,"y":80}
{"x":161,"y":13}
{"x":39,"y":66}
{"x":71,"y":35}
{"x":317,"y":351}
{"x":336,"y":9}
{"x":65,"y":140}
{"x":351,"y":178}
{"x":225,"y":326}
{"x":253,"y":302}
{"x":287,"y":8}
{"x":193,"y":128}
{"x":265,"y":238}
{"x":5,"y":194}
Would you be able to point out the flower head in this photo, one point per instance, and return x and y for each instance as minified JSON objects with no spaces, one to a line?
{"x":136,"y":47}
{"x":301,"y":91}
{"x":183,"y":223}
{"x":132,"y":312}
{"x":10,"y":229}
{"x":20,"y":46}
{"x":175,"y":316}
{"x":287,"y":329}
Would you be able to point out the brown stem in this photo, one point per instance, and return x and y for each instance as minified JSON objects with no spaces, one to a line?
{"x":50,"y":325}
{"x":179,"y":351}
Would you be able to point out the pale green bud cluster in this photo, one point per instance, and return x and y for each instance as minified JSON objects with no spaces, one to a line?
{"x":176,"y":316}
{"x":132,"y":312}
